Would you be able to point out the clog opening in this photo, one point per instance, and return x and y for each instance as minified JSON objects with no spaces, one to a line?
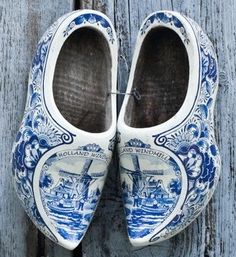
{"x":82,"y":81}
{"x":161,"y":78}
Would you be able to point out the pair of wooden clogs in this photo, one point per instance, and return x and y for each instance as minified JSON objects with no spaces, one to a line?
{"x":169,"y":161}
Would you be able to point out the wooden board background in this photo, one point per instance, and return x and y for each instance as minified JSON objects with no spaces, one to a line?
{"x":21,"y":25}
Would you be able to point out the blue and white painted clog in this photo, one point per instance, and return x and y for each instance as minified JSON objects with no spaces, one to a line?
{"x":169,"y":159}
{"x":66,"y":138}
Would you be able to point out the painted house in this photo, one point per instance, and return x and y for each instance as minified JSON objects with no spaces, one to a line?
{"x":156,"y":189}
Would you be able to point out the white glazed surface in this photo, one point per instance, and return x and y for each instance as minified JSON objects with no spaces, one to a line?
{"x":58,"y":169}
{"x":179,"y":158}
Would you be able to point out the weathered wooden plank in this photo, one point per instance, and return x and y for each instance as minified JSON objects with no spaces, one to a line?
{"x":53,"y":250}
{"x":85,"y":4}
{"x":213,"y":233}
{"x":21,"y":25}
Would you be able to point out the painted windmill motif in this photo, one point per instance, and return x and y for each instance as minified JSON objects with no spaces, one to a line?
{"x":139,"y":176}
{"x":83,"y":178}
{"x":142,"y":179}
{"x":72,"y":188}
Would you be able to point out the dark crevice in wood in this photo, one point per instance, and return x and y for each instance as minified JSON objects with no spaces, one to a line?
{"x":114,"y":14}
{"x":129,"y":22}
{"x":77,"y":4}
{"x":41,"y":245}
{"x":78,"y":251}
{"x":31,"y":241}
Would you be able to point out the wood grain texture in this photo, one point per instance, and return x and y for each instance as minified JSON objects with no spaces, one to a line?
{"x":214,"y":232}
{"x":22,"y":23}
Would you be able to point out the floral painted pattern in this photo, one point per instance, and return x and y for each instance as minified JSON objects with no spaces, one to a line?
{"x":92,"y":19}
